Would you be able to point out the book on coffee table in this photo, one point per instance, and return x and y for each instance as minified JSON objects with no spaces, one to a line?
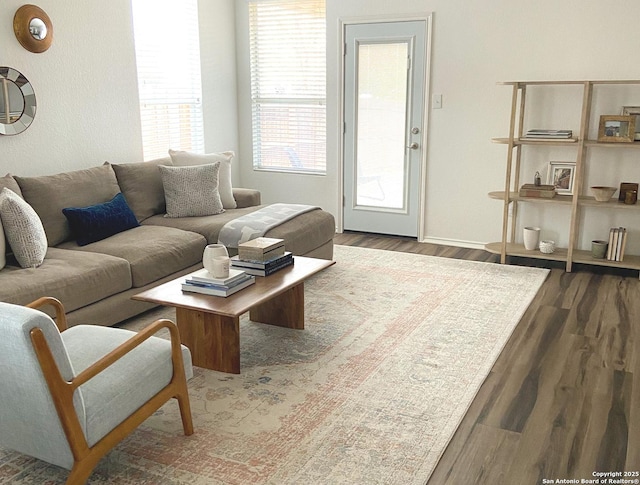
{"x":204,"y":276}
{"x":218,"y":290}
{"x":261,"y":249}
{"x":265,"y":268}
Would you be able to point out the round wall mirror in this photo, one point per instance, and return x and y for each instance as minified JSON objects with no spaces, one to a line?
{"x":38,"y":29}
{"x":33,"y":28}
{"x":17,"y":102}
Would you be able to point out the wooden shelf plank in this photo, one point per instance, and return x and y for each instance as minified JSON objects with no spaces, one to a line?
{"x":515,"y":196}
{"x":611,"y":204}
{"x":560,"y":83}
{"x":560,"y":254}
{"x":599,"y":144}
{"x":518,"y":141}
{"x":584,"y":257}
{"x":584,"y":201}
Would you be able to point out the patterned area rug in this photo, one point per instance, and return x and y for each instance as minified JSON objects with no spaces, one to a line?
{"x":395,"y":348}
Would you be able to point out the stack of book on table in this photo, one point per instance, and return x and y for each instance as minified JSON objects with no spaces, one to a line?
{"x":549,"y":135}
{"x":617,"y":243}
{"x":203,"y":282}
{"x":262,"y":256}
{"x":532,"y":190}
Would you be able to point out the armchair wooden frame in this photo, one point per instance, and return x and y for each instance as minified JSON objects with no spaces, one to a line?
{"x":85,"y":457}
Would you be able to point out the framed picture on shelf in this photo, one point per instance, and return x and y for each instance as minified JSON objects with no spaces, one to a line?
{"x":626,"y":187}
{"x":633,"y":111}
{"x":560,"y":175}
{"x":617,"y":128}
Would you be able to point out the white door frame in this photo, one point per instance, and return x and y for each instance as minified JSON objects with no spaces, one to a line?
{"x":342,"y":24}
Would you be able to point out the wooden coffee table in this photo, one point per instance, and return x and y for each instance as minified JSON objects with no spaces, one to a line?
{"x":210,"y":325}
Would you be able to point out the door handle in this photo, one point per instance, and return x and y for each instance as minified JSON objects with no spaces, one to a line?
{"x":413,"y":146}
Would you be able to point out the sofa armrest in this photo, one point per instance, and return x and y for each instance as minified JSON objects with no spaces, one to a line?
{"x":246,"y":197}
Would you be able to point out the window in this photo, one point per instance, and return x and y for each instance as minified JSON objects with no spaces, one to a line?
{"x":168,"y":60}
{"x":288,"y":84}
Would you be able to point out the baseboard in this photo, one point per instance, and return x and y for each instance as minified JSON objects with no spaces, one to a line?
{"x":454,"y":242}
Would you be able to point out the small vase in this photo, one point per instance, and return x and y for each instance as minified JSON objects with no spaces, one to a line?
{"x":212,"y":251}
{"x":531,"y":238}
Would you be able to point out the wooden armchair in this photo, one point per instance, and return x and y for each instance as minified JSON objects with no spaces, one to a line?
{"x":70,"y":395}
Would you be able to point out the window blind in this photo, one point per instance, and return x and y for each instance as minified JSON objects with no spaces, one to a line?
{"x":168,"y":61}
{"x":288,"y":84}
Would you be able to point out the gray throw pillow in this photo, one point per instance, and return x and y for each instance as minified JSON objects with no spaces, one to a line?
{"x":182,"y":158}
{"x":3,"y":247}
{"x":191,"y":191}
{"x":23,"y":229}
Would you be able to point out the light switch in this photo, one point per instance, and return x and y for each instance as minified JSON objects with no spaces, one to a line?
{"x":437,"y":101}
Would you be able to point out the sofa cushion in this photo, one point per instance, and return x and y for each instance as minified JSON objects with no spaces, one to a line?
{"x":181,"y":158}
{"x":246,"y":197}
{"x":97,"y":222}
{"x":305,"y":232}
{"x":76,"y":278}
{"x":301,"y":234}
{"x":152,"y":251}
{"x":23,"y":228}
{"x":208,"y":226}
{"x":192,"y":190}
{"x":141,"y":185}
{"x":49,"y":194}
{"x":9,"y":182}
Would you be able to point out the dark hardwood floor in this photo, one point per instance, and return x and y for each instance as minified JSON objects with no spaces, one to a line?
{"x":562,"y":401}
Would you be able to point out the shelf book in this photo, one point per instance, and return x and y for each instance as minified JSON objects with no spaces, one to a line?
{"x":261,"y":249}
{"x":199,"y":282}
{"x":548,"y":135}
{"x":617,"y":243}
{"x":262,"y":268}
{"x":540,"y":191}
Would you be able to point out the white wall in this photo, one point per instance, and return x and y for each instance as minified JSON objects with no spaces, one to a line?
{"x":85,"y":85}
{"x":474,"y":45}
{"x":219,"y":82}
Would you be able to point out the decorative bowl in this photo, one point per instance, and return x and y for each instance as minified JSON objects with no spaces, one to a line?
{"x":602,"y":193}
{"x":547,"y":247}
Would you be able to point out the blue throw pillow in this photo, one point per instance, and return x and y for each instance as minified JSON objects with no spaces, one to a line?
{"x":97,"y":222}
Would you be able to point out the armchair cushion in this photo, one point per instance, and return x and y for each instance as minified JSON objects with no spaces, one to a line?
{"x":27,"y":412}
{"x":114,"y":394}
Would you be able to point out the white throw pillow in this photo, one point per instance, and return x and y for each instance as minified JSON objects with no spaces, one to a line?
{"x":181,"y":158}
{"x":3,"y":247}
{"x":192,"y":190}
{"x":23,"y":229}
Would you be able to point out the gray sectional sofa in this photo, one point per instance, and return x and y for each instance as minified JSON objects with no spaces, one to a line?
{"x":95,"y":282}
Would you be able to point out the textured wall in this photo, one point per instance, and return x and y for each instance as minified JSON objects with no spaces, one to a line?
{"x":85,"y":86}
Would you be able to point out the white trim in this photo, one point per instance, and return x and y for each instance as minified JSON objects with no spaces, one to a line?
{"x":454,"y":242}
{"x":342,"y":24}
